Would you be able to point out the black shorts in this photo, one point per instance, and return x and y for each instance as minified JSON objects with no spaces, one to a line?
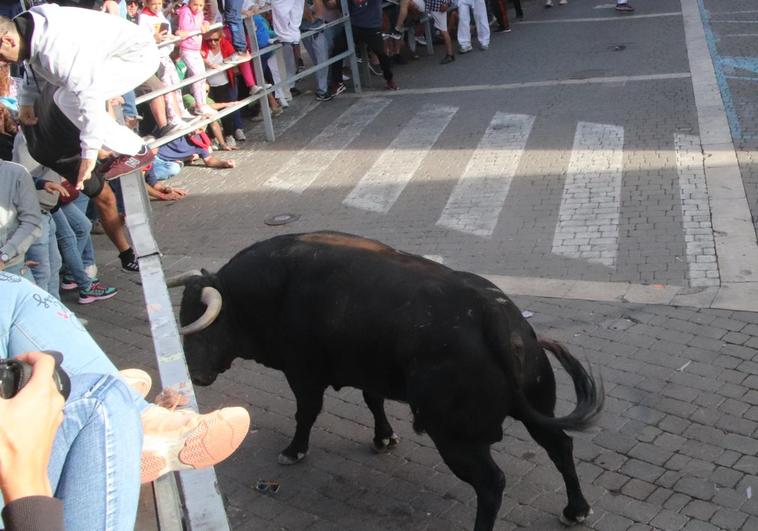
{"x":54,"y":142}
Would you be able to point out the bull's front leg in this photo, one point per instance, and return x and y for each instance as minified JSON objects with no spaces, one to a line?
{"x":310,"y":399}
{"x":384,"y":436}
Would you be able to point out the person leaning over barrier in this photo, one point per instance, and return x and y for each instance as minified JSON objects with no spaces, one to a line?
{"x":87,"y":68}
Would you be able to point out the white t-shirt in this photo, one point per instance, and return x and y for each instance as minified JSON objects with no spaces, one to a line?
{"x":218,"y":79}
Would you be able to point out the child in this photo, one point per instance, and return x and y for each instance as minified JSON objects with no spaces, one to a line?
{"x":438,"y":11}
{"x":191,"y":19}
{"x":192,"y":147}
{"x":154,"y":21}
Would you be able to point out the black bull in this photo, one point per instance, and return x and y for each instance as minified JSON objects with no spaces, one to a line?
{"x":334,"y":309}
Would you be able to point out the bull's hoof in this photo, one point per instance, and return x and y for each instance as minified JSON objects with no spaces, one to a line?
{"x":578,"y":519}
{"x":382,"y":446}
{"x":287,"y":460}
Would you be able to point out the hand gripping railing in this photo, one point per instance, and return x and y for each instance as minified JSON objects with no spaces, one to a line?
{"x":192,"y":500}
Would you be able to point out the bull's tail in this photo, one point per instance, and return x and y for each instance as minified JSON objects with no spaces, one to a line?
{"x":590,"y":395}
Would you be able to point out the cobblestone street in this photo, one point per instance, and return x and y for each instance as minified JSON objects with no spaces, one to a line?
{"x":566,"y":163}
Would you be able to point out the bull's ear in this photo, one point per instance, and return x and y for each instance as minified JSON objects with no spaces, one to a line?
{"x":205,"y":272}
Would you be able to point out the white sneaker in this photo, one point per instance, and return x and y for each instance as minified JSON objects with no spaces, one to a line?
{"x":138,"y":380}
{"x":548,"y":3}
{"x":184,"y":439}
{"x":239,"y":135}
{"x":229,"y":141}
{"x":563,"y":2}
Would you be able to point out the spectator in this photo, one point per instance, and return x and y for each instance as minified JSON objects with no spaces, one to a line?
{"x":190,"y":148}
{"x":318,"y":49}
{"x":191,"y":20}
{"x":500,"y":12}
{"x":215,"y":126}
{"x":465,"y":7}
{"x":286,"y":16}
{"x":54,"y":142}
{"x":132,"y":11}
{"x":155,"y":23}
{"x":20,"y":218}
{"x":329,"y":11}
{"x":366,"y":22}
{"x":85,"y":76}
{"x":27,"y":430}
{"x":233,"y":22}
{"x":31,"y":320}
{"x":222,"y":84}
{"x":437,"y":9}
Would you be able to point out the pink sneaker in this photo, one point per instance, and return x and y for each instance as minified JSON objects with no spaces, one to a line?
{"x":183,"y":439}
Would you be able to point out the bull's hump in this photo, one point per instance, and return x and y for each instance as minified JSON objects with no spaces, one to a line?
{"x":345,"y":240}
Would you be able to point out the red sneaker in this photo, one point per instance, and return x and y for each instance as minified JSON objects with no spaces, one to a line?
{"x":124,"y":164}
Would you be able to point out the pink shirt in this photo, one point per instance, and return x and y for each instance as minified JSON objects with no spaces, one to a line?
{"x":189,"y":21}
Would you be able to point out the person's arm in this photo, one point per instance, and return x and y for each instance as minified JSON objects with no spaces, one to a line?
{"x":28,"y":213}
{"x":28,"y":423}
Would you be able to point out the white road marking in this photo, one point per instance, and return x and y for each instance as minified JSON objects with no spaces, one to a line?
{"x":601,"y":19}
{"x":588,"y":220}
{"x":476,"y":201}
{"x":435,"y":258}
{"x":301,"y":170}
{"x":528,"y":84}
{"x":381,"y":186}
{"x":696,"y":212}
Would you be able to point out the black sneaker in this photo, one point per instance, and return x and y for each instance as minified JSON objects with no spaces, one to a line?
{"x":624,"y":8}
{"x":447,"y":59}
{"x":294,"y":91}
{"x":394,"y":34}
{"x":129,"y":262}
{"x":96,"y":292}
{"x":323,"y":96}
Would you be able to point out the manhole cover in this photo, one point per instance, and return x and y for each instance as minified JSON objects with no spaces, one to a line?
{"x":281,"y":219}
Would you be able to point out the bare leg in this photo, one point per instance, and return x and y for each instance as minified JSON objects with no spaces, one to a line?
{"x":158,"y":108}
{"x":110,"y":218}
{"x":213,"y":162}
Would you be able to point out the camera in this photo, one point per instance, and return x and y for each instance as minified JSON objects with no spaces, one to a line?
{"x":15,"y":374}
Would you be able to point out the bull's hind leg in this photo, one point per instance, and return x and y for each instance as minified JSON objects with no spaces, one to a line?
{"x":560,"y":448}
{"x":310,"y":399}
{"x":384,"y":436}
{"x":472,"y":462}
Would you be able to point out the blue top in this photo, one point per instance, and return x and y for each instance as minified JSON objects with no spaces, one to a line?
{"x":366,"y":13}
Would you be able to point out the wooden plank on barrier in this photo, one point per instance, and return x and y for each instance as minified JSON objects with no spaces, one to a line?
{"x":196,"y":504}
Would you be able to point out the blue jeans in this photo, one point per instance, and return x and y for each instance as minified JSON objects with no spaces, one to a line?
{"x":44,"y":251}
{"x":162,"y":170}
{"x":88,"y":253}
{"x":70,"y":250}
{"x":95,"y":462}
{"x":130,"y":104}
{"x":31,"y":319}
{"x":233,"y":20}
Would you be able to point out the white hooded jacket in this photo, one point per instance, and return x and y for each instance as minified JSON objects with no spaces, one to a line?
{"x":70,"y":48}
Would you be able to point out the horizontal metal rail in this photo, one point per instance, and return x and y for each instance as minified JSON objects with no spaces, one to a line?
{"x":179,"y":38}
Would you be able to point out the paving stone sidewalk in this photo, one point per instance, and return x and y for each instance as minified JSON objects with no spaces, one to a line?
{"x":674,"y":449}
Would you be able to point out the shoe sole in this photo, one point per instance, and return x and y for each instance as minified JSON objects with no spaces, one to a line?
{"x":207,"y":444}
{"x":90,"y":300}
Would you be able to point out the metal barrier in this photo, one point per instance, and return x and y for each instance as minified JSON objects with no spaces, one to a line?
{"x":193,"y":500}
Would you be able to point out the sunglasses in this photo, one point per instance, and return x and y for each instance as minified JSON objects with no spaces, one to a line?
{"x":212,"y":40}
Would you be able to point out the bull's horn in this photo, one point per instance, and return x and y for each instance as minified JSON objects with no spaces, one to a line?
{"x":182,"y":278}
{"x":212,"y":300}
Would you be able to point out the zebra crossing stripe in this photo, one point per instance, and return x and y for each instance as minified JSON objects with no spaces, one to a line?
{"x":476,"y":201}
{"x":303,"y":169}
{"x":700,"y":247}
{"x":588,"y":219}
{"x":383,"y":183}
